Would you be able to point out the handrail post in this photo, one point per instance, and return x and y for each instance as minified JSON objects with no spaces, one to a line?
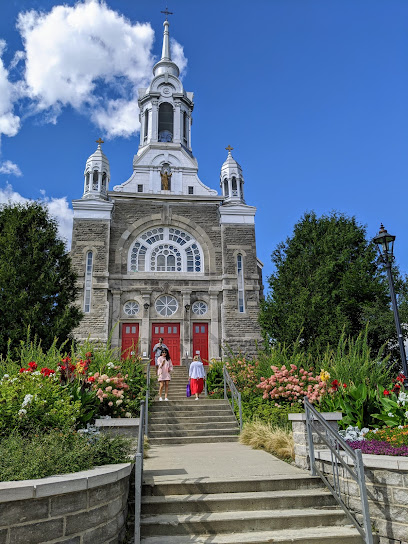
{"x":240,"y":411}
{"x":363,"y":495}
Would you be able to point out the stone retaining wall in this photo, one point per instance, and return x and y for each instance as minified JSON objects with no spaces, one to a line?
{"x":86,"y":507}
{"x":386,"y":482}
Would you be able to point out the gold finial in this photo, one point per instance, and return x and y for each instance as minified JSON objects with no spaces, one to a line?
{"x":229,"y":149}
{"x":99,"y":141}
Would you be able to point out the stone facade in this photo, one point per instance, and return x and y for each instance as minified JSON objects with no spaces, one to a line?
{"x":130,"y":259}
{"x":80,"y":508}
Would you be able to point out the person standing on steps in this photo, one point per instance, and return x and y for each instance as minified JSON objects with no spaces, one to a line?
{"x":164,"y":369}
{"x":157,"y":349}
{"x":197,"y":375}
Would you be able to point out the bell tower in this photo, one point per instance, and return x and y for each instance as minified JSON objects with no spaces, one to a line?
{"x":165,"y":162}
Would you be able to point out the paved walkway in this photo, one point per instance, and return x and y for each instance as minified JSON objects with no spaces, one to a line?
{"x":222,"y":460}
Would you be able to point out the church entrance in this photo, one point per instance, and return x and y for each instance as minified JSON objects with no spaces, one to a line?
{"x":170,"y":332}
{"x":130,"y":339}
{"x":200,"y":341}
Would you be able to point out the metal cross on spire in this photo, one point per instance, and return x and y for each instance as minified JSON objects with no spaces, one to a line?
{"x":167,"y":12}
{"x":229,"y":149}
{"x":99,"y":141}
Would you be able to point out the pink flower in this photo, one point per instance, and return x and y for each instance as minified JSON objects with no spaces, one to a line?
{"x":110,"y":403}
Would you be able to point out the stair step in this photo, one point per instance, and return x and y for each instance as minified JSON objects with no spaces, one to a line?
{"x":210,"y":486}
{"x":193,"y":425}
{"x":196,"y":439}
{"x":171,"y":432}
{"x":225,"y":522}
{"x":314,"y":535}
{"x":266,"y":500}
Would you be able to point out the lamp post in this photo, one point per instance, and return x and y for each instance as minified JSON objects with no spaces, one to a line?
{"x":385,"y":243}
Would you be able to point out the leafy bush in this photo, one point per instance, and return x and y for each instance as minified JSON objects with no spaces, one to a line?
{"x":33,"y":400}
{"x":41,"y":455}
{"x":257,"y":408}
{"x":215,"y":379}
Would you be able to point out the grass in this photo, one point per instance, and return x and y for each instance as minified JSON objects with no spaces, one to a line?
{"x":263,"y":436}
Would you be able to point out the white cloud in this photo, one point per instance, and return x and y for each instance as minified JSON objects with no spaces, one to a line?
{"x":8,"y":167}
{"x":9,"y":123}
{"x":82,"y":56}
{"x":58,"y":208}
{"x":177,"y":56}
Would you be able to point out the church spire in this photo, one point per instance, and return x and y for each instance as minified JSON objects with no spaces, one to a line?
{"x":165,"y":64}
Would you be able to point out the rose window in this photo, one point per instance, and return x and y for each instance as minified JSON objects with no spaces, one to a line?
{"x":166,"y":305}
{"x":131,"y":308}
{"x":199,"y":308}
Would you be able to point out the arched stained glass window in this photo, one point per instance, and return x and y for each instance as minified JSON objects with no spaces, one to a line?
{"x":165,"y":249}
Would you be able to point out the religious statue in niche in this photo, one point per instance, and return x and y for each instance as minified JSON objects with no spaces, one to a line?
{"x":165,"y":175}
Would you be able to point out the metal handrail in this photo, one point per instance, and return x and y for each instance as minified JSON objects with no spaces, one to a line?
{"x":336,"y":445}
{"x":147,"y":399}
{"x":235,"y":394}
{"x":139,"y":472}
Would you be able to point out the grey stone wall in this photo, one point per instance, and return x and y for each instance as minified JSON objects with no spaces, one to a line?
{"x":82,"y":508}
{"x":386,"y":482}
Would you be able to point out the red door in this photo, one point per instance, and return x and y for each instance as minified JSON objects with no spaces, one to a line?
{"x":170,"y":332}
{"x":200,"y":341}
{"x":130,"y":339}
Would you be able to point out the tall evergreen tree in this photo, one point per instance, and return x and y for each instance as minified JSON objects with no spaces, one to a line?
{"x":37,"y":283}
{"x":327,"y":280}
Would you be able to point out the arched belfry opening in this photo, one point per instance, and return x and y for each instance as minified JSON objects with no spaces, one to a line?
{"x":166,"y":122}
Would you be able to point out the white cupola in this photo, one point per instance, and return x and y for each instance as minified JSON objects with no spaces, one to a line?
{"x":231,"y":180}
{"x":97,"y":174}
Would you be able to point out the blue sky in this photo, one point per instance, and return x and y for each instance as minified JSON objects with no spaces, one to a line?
{"x":312,"y":95}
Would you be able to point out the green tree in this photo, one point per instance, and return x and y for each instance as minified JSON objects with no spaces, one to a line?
{"x":37,"y":283}
{"x":328,"y":280}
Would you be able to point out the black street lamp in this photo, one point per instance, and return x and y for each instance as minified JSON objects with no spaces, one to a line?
{"x":385,"y":243}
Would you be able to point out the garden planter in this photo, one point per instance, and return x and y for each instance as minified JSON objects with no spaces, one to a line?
{"x":86,"y":507}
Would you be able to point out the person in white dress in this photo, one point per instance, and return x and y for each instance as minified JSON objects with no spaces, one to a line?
{"x":197,"y":375}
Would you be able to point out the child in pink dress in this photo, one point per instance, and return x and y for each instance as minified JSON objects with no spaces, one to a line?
{"x":164,"y":369}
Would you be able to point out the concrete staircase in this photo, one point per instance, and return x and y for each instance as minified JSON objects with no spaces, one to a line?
{"x":184,"y":420}
{"x":282,"y":510}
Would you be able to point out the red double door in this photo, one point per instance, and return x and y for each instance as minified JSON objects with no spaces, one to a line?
{"x":170,"y":332}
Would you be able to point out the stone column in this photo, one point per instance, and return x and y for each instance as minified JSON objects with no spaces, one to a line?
{"x":145,"y":326}
{"x":154,"y":128}
{"x":214,"y":347}
{"x":115,"y":318}
{"x":299,"y":432}
{"x":177,"y":123}
{"x":185,"y":341}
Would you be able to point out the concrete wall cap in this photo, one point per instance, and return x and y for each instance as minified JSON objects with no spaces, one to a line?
{"x":65,"y":483}
{"x":380,"y":462}
{"x":328,"y":416}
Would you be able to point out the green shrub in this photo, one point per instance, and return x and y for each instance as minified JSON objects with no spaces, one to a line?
{"x":257,"y":408}
{"x":41,"y":455}
{"x":31,"y":400}
{"x":215,"y":379}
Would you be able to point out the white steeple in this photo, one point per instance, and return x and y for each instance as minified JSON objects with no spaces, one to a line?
{"x":97,"y":174}
{"x":231,"y":180}
{"x":165,"y":163}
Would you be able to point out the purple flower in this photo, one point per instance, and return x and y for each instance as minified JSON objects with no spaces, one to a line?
{"x":375,"y":447}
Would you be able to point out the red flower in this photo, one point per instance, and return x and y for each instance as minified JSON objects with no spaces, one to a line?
{"x":33,"y":365}
{"x":23,"y":370}
{"x":386,"y":393}
{"x":88,"y":354}
{"x":344,"y":385}
{"x":401,"y":378}
{"x":91,"y":379}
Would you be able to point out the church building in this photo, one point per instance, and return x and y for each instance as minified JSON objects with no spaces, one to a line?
{"x":162,"y":254}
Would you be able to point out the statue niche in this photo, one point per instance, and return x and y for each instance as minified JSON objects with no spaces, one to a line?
{"x":165,"y":175}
